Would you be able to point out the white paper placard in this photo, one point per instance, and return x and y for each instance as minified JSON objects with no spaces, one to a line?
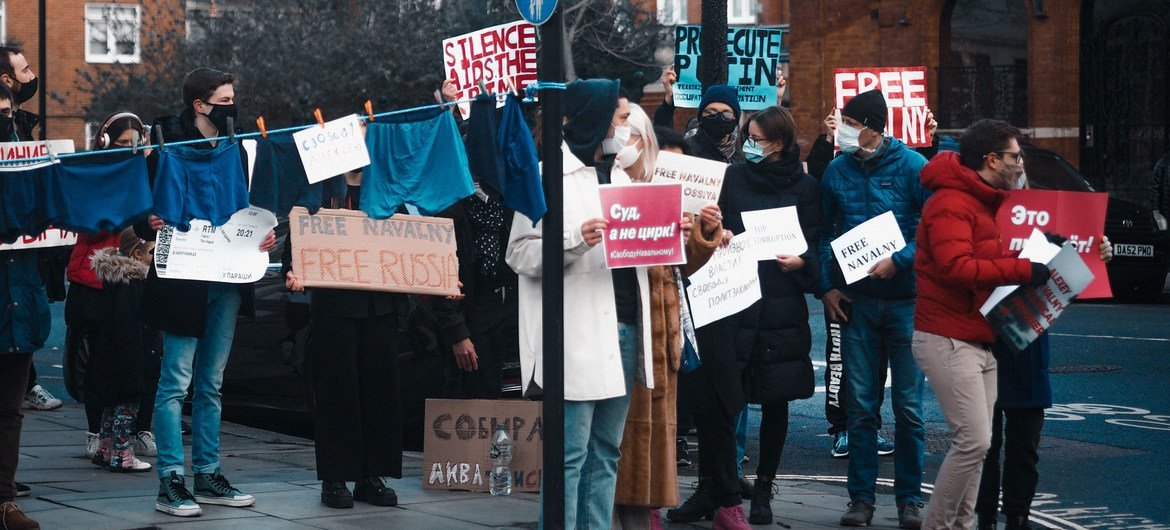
{"x":775,"y":232}
{"x":52,"y":237}
{"x":727,"y":284}
{"x":859,"y":249}
{"x":329,"y":151}
{"x":702,"y":179}
{"x":228,"y":253}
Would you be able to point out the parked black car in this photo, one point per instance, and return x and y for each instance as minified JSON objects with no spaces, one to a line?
{"x":1141,"y":241}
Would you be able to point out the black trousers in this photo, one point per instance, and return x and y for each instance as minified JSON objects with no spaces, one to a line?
{"x":493,"y":319}
{"x":773,"y":434}
{"x":716,"y":432}
{"x":358,"y":410}
{"x":13,"y":376}
{"x":1017,"y":433}
{"x":836,"y":391}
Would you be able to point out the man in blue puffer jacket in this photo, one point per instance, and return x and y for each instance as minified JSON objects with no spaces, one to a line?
{"x":878,"y":174}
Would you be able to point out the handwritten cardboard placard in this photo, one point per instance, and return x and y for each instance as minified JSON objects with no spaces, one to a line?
{"x":702,"y":179}
{"x":331,"y":150}
{"x":727,"y":284}
{"x":1020,"y":314}
{"x":1078,"y":216}
{"x":905,"y":92}
{"x":775,"y":232}
{"x":643,"y":225}
{"x":861,"y":248}
{"x":52,"y":237}
{"x":229,"y":253}
{"x":456,"y":436}
{"x":491,"y":55}
{"x":345,"y":249}
{"x":753,"y":58}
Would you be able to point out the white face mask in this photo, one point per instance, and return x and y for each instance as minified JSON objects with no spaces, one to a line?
{"x":628,"y":156}
{"x":1020,"y":182}
{"x":621,"y":135}
{"x":848,"y":138}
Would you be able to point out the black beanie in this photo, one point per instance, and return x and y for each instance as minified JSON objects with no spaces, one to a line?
{"x":869,"y":108}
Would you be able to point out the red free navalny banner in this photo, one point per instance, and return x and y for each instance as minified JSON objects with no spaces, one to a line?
{"x":643,"y":225}
{"x":1079,"y":216}
{"x":905,"y":91}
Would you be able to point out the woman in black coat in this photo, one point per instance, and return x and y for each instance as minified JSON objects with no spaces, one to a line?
{"x":760,"y":355}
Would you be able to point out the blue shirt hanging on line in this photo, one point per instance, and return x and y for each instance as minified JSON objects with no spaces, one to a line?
{"x":521,"y":180}
{"x":416,"y":158}
{"x":206,"y":184}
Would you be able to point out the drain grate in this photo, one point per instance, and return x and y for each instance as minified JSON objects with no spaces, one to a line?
{"x":1084,"y":368}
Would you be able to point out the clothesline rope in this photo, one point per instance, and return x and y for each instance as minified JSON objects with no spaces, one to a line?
{"x":530,"y":91}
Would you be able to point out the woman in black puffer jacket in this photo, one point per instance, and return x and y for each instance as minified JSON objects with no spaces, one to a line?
{"x":761,"y":355}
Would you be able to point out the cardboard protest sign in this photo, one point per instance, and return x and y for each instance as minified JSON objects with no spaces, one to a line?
{"x":753,"y":57}
{"x":1078,"y":216}
{"x":493,"y":56}
{"x":701,"y":179}
{"x":39,"y":149}
{"x":345,"y":249}
{"x":331,"y":150}
{"x":775,"y":232}
{"x":861,"y":248}
{"x":905,"y":92}
{"x":53,"y":237}
{"x":456,"y":435}
{"x":727,"y":284}
{"x":228,"y":253}
{"x":643,"y":225}
{"x":1020,"y":314}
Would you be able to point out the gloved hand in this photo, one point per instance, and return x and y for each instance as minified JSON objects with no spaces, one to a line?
{"x":1040,"y":275}
{"x":1055,"y":239}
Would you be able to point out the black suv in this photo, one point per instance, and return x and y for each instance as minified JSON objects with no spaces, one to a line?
{"x":1141,"y":241}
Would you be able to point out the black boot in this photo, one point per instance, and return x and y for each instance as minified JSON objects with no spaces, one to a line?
{"x":335,"y":494}
{"x":373,"y":491}
{"x":761,"y":512}
{"x":699,"y":506}
{"x":987,"y":522}
{"x":1017,"y":522}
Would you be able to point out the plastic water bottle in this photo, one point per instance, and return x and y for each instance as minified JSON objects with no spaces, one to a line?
{"x":500,"y":453}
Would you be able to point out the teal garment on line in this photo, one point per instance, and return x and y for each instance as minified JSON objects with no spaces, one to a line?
{"x":416,"y":158}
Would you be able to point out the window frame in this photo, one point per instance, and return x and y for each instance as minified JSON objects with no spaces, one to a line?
{"x":112,"y":57}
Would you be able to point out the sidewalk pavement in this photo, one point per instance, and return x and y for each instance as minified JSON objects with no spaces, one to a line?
{"x":70,"y":492}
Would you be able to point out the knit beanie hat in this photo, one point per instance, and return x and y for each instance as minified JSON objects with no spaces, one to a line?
{"x":588,"y":111}
{"x":727,"y":95}
{"x":869,"y":108}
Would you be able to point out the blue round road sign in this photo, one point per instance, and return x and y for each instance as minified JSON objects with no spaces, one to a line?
{"x":536,"y":11}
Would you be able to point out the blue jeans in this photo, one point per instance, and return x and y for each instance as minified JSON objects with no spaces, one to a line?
{"x":593,"y":439}
{"x":879,"y":326}
{"x":202,"y":360}
{"x":741,"y":428}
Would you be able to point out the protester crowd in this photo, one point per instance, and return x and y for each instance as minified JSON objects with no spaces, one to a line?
{"x":628,"y":332}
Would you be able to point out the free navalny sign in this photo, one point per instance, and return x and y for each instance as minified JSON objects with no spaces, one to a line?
{"x":905,"y":91}
{"x":860,"y":249}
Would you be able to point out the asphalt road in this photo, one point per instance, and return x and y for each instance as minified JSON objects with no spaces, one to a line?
{"x":1105,"y":444}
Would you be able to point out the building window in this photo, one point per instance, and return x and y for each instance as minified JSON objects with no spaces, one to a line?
{"x":111,"y":33}
{"x":741,"y":11}
{"x":672,"y":12}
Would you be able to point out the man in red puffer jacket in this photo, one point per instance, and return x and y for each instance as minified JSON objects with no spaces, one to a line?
{"x":959,"y":262}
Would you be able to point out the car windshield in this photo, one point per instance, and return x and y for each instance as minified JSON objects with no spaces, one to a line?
{"x":1048,"y":171}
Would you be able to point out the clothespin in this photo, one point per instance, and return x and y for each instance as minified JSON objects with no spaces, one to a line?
{"x":370,"y":109}
{"x":515,"y":88}
{"x":159,"y":134}
{"x":135,"y":139}
{"x":231,"y":127}
{"x":52,"y":154}
{"x":320,"y":119}
{"x":482,"y":87}
{"x":260,"y":124}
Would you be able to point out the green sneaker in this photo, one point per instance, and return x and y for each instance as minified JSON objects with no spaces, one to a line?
{"x":214,"y":488}
{"x":173,"y":497}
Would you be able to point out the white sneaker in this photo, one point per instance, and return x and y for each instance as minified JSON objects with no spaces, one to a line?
{"x":144,"y":444}
{"x":40,"y":399}
{"x":91,"y":445}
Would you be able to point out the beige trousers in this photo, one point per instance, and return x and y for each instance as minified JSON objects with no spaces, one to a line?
{"x":962,"y":375}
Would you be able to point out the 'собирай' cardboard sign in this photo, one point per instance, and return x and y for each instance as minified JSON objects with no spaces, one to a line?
{"x":456,"y":436}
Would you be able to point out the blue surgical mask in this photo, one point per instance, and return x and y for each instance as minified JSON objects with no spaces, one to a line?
{"x":753,"y":151}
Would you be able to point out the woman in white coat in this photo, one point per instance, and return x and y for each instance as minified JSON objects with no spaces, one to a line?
{"x":605,"y":340}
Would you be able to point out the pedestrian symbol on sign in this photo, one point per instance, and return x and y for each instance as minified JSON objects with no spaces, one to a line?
{"x":536,"y":11}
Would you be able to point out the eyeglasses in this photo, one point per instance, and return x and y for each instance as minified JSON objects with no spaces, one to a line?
{"x":726,"y":115}
{"x":1017,"y":155}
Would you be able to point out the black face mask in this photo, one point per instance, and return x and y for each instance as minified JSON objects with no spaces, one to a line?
{"x":219,"y":115}
{"x":27,"y":90}
{"x":7,"y":126}
{"x":716,"y":127}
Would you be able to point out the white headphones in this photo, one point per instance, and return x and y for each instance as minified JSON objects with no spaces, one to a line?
{"x":103,"y":136}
